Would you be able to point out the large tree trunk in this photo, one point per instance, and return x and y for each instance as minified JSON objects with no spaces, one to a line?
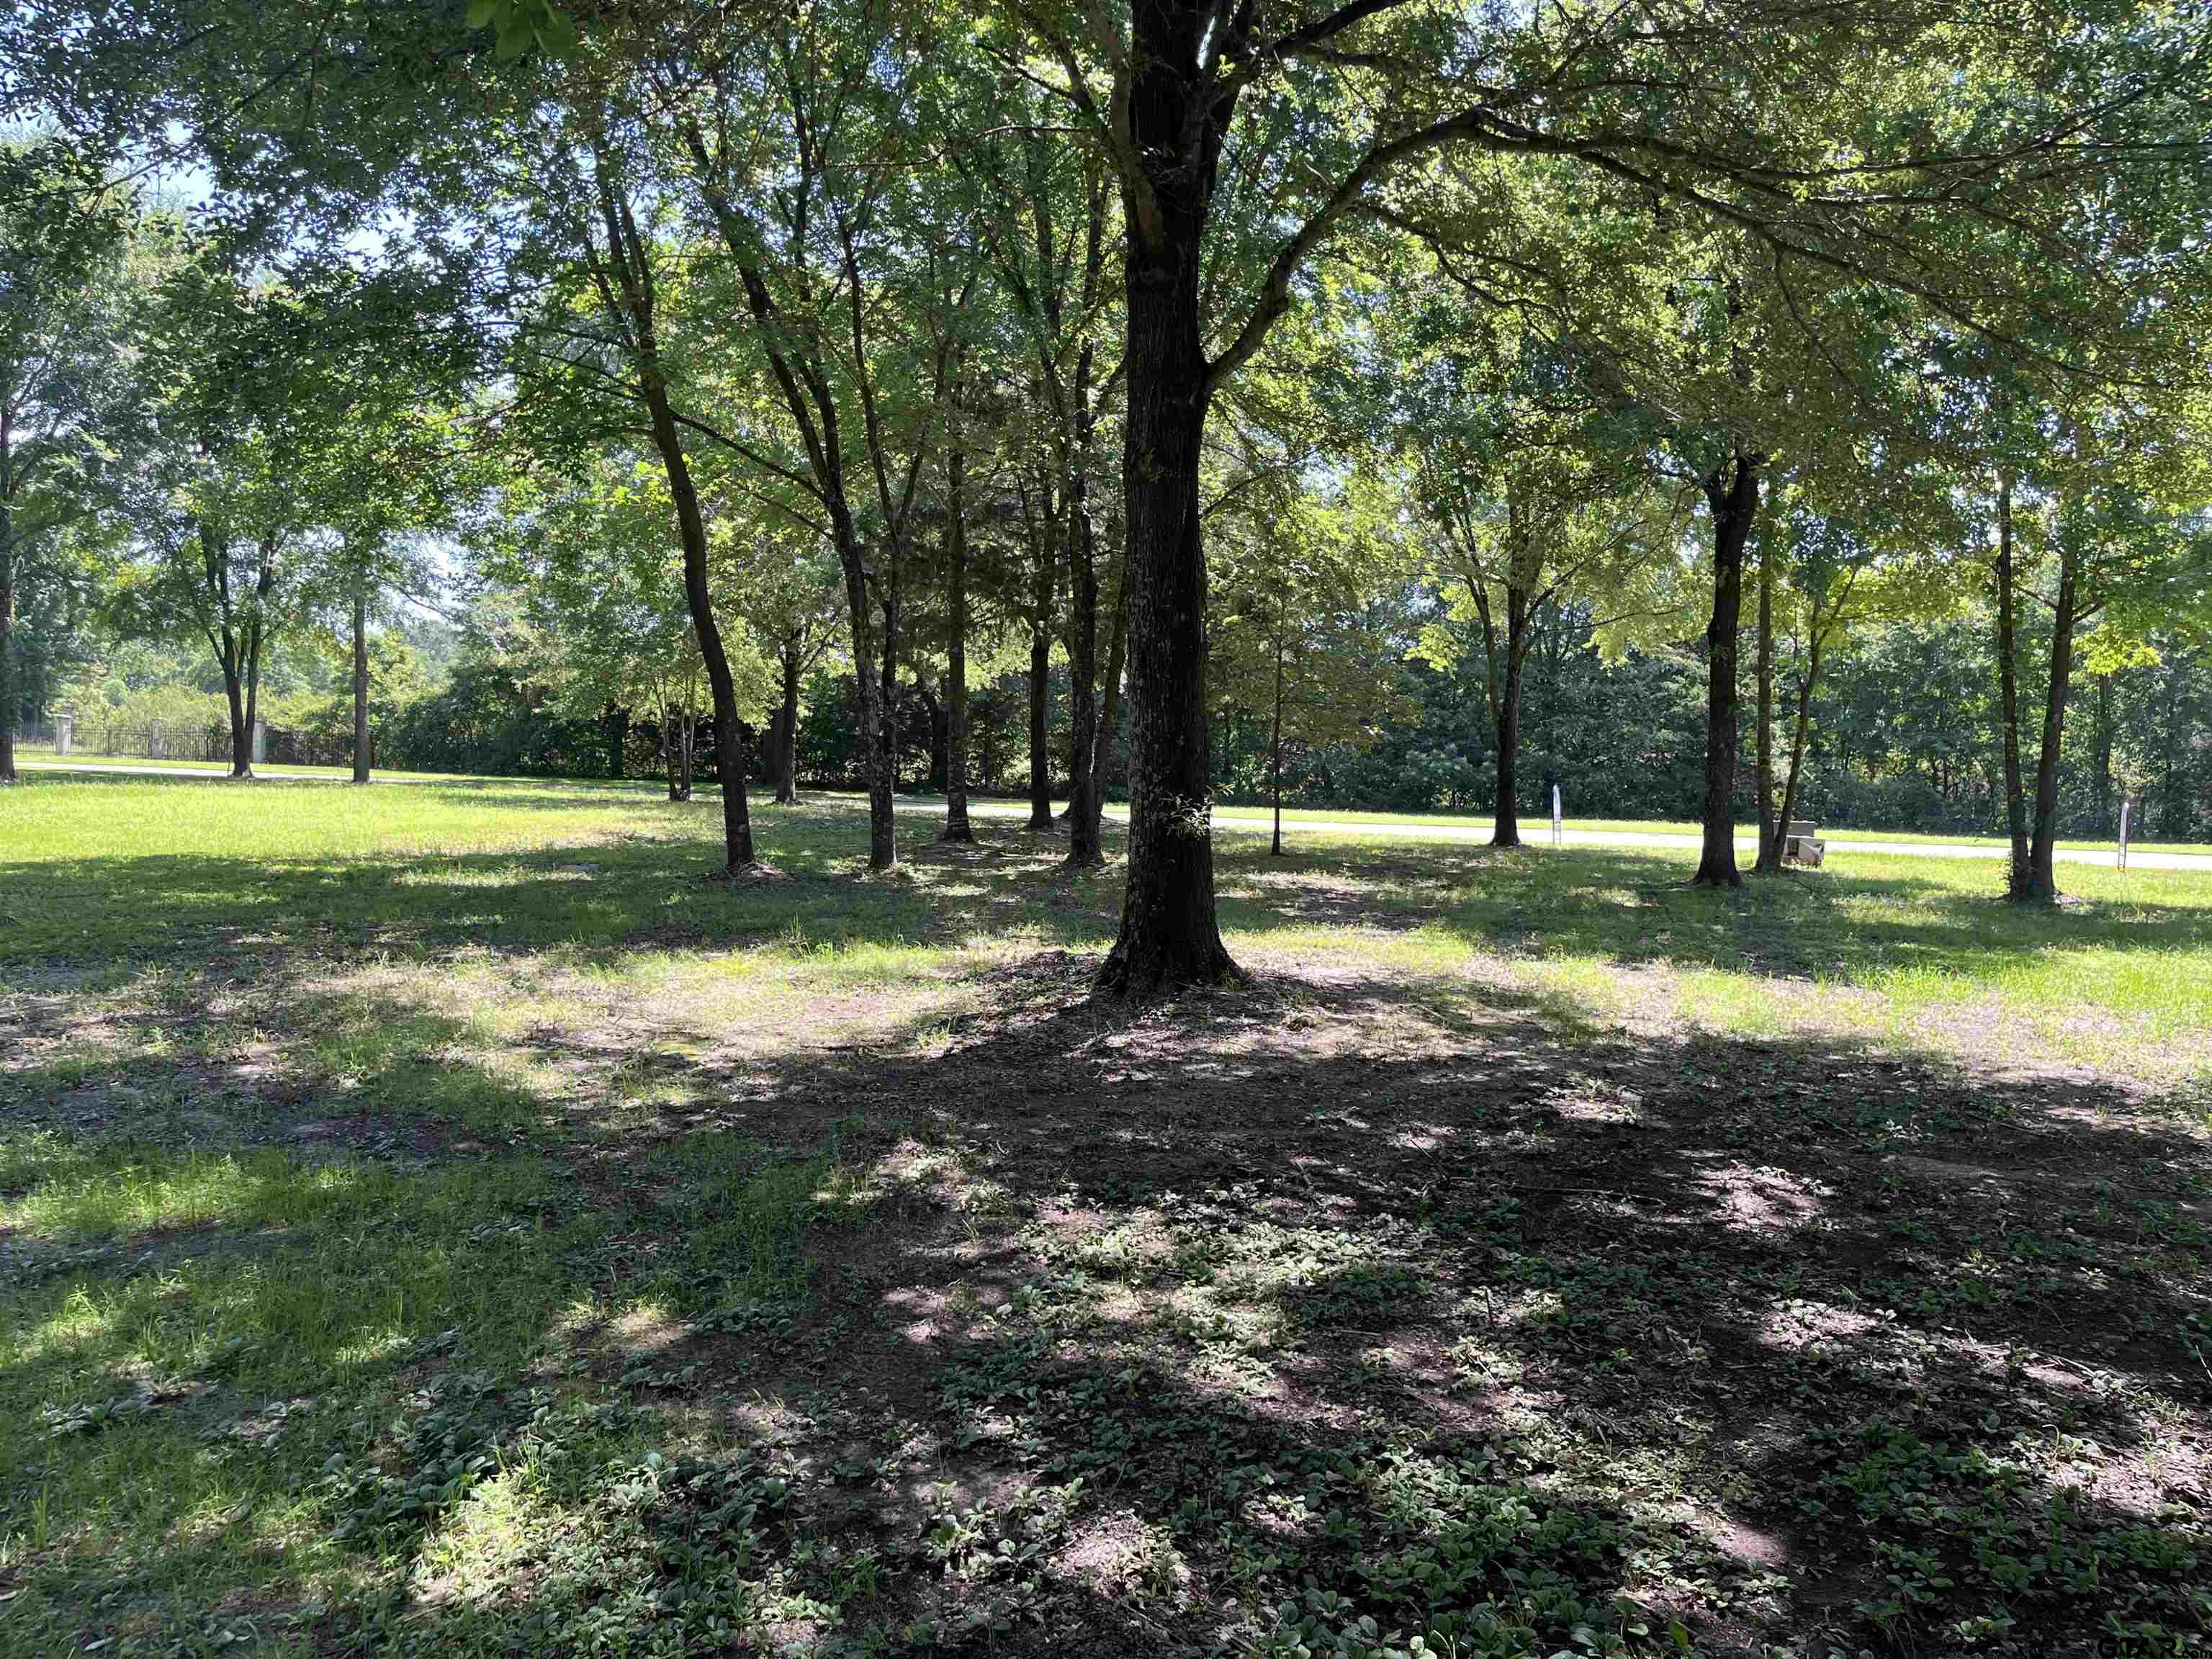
{"x":1506,"y":829}
{"x":618,"y":738}
{"x":956,"y":827}
{"x":2042,"y":865}
{"x":360,"y":682}
{"x":1732,"y":491}
{"x":2017,"y":881}
{"x":1770,"y":835}
{"x":1171,"y":935}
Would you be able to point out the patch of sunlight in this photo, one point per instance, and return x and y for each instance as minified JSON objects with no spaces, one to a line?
{"x":75,"y":1326}
{"x":499,"y":1524}
{"x":1737,"y":1003}
{"x":374,"y":1348}
{"x":193,"y":1189}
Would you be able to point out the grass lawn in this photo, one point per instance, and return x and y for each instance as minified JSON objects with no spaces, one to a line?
{"x":439,"y":1220}
{"x":1534,"y":827}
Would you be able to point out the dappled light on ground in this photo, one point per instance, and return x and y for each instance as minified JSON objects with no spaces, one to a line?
{"x":449,"y":1250}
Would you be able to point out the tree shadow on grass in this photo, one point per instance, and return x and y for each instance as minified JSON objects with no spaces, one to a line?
{"x":1390,"y":1306}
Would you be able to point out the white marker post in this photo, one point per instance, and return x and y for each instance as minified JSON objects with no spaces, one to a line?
{"x":2124,"y":833}
{"x":1556,"y":837}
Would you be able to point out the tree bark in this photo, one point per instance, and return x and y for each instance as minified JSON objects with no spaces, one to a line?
{"x":1171,"y":933}
{"x":1506,"y":823}
{"x":2017,"y":883}
{"x":2042,"y":866}
{"x":956,"y":827}
{"x":360,"y":682}
{"x":1769,"y":861}
{"x":1732,"y":491}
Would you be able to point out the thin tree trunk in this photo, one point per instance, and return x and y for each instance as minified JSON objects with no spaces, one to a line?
{"x":2103,"y":757}
{"x":7,"y":710}
{"x":626,"y":250}
{"x":1770,"y":836}
{"x":1040,"y":737}
{"x":888,"y":763}
{"x":360,"y":682}
{"x":786,"y":751}
{"x":1171,"y":933}
{"x":691,"y":528}
{"x":2042,"y":868}
{"x":668,"y":741}
{"x":1732,"y":490}
{"x":1506,"y":831}
{"x":1109,"y":705}
{"x":1275,"y":740}
{"x":1083,"y":684}
{"x":2017,"y":883}
{"x":1799,"y":737}
{"x":956,"y":827}
{"x":242,"y":742}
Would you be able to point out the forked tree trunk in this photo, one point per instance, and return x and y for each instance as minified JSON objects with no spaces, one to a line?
{"x":2017,"y":882}
{"x":1732,"y":492}
{"x":360,"y":682}
{"x":1171,"y":933}
{"x":956,"y":827}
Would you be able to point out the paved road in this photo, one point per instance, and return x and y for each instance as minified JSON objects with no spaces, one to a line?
{"x":1537,"y":830}
{"x":1540,"y":834}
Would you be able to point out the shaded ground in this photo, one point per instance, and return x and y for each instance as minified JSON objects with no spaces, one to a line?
{"x":537,"y":1250}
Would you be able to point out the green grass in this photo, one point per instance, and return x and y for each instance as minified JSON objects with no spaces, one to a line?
{"x":1534,"y":826}
{"x":442,"y":1220}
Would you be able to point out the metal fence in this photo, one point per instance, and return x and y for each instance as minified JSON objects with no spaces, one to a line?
{"x":67,"y":734}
